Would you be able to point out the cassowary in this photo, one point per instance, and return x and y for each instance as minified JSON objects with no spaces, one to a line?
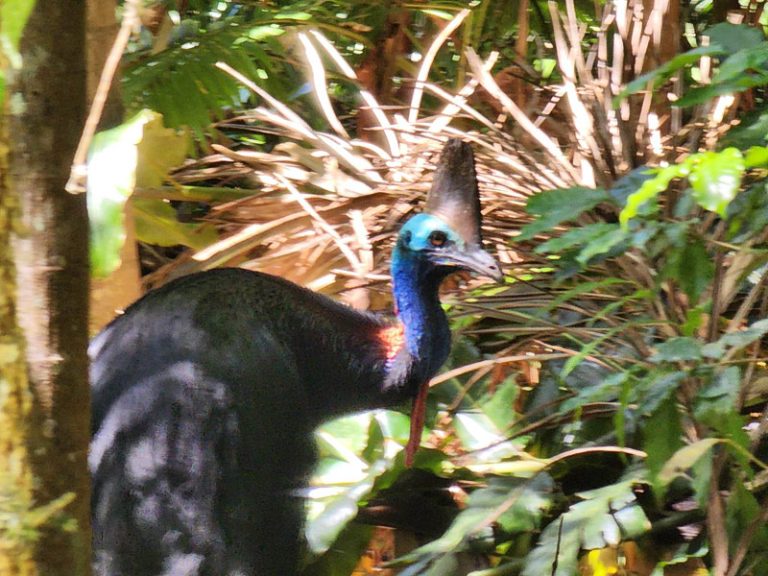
{"x":207,"y":390}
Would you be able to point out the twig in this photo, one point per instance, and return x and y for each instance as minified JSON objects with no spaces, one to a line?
{"x":487,"y":81}
{"x":368,"y":98}
{"x":330,"y":230}
{"x":317,"y":75}
{"x":79,"y":172}
{"x":429,"y":58}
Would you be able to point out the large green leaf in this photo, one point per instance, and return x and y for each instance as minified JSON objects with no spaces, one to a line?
{"x":664,"y":72}
{"x":355,"y":452}
{"x":679,"y":349}
{"x":734,"y":37}
{"x":556,"y":206}
{"x":651,"y":188}
{"x":663,"y":437}
{"x":684,"y":458}
{"x":690,"y":265}
{"x":716,"y":178}
{"x":605,"y":517}
{"x":137,"y":153}
{"x":516,"y":504}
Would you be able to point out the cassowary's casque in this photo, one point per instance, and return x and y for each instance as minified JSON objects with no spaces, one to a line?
{"x":206,"y":392}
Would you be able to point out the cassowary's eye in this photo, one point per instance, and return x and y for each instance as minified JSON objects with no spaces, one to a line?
{"x":438,"y":238}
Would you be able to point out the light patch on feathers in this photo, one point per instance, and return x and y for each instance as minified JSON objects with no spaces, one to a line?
{"x":393,"y":339}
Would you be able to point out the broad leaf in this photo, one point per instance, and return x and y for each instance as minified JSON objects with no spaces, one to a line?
{"x":344,"y":477}
{"x":651,"y":188}
{"x":736,"y":340}
{"x":716,"y":178}
{"x":663,"y":437}
{"x":605,"y":517}
{"x":734,"y":37}
{"x":556,"y":206}
{"x":678,"y":349}
{"x":685,"y":458}
{"x":137,"y":153}
{"x":690,"y":265}
{"x":518,"y":506}
{"x":661,"y":74}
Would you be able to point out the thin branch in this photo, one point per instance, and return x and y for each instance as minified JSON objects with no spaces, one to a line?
{"x":429,"y":58}
{"x":79,"y":172}
{"x":487,"y":81}
{"x":319,"y":85}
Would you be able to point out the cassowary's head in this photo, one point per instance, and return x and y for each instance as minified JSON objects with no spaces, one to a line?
{"x":446,"y":237}
{"x":439,"y":249}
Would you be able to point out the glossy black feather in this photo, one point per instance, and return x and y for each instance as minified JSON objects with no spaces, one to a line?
{"x":205,"y":394}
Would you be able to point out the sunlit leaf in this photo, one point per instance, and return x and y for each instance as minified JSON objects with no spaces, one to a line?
{"x":157,"y":223}
{"x":137,"y":153}
{"x":589,"y":524}
{"x":716,"y":178}
{"x":651,"y":188}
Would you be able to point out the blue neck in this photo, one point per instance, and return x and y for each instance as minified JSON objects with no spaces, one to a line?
{"x":427,"y":335}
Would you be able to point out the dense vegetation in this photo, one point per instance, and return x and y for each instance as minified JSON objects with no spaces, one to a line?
{"x":605,"y":411}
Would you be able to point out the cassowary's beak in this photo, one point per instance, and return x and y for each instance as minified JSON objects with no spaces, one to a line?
{"x":474,"y":259}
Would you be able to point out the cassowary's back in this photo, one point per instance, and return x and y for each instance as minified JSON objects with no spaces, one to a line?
{"x":204,"y":397}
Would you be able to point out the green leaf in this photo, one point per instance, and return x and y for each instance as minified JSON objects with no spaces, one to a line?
{"x":575,"y":237}
{"x":656,"y":388}
{"x":752,"y":130}
{"x":478,"y":433}
{"x":756,"y":157}
{"x":664,"y":72}
{"x":157,"y":223}
{"x":736,"y":340}
{"x":716,"y":178}
{"x":602,"y":244}
{"x":137,"y":153}
{"x":13,"y":18}
{"x":604,"y":518}
{"x":343,"y":474}
{"x":556,"y":206}
{"x":685,"y":458}
{"x":679,"y":349}
{"x":691,"y":267}
{"x":347,"y":550}
{"x":662,"y":438}
{"x":742,"y":509}
{"x":517,"y":505}
{"x":651,"y":188}
{"x":734,"y":37}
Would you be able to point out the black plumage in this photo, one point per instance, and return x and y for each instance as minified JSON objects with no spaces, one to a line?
{"x":206,"y":392}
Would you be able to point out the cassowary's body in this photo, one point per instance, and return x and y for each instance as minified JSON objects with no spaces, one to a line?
{"x":206,"y":392}
{"x":196,"y":462}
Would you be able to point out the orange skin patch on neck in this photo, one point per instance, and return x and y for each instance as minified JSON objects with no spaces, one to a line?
{"x":393,"y":339}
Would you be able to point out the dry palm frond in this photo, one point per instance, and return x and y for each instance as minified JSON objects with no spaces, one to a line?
{"x":324,"y":207}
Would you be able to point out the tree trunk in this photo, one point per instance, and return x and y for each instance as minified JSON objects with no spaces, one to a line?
{"x":51,"y":414}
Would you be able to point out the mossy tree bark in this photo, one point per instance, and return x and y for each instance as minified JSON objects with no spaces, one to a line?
{"x":44,"y":402}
